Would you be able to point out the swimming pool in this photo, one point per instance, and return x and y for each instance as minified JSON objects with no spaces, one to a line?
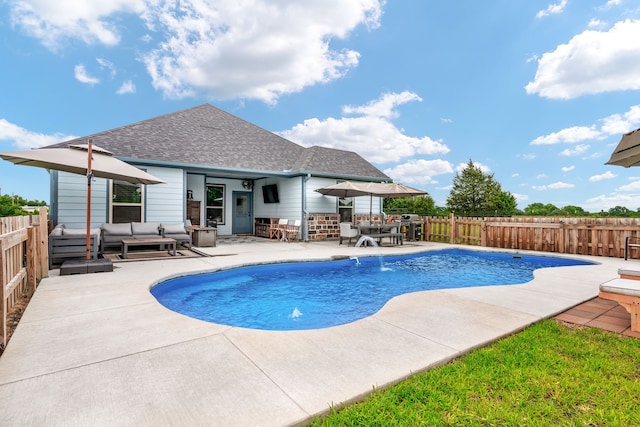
{"x":313,"y":295}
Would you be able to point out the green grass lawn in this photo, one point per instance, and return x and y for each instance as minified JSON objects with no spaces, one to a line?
{"x":546,"y":375}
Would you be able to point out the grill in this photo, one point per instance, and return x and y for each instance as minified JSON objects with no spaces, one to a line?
{"x":411,"y":226}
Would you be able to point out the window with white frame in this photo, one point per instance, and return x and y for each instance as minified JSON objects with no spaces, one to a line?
{"x":215,"y":203}
{"x":127,"y":202}
{"x":345,"y":209}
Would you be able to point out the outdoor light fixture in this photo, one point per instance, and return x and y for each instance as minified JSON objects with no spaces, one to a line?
{"x":247,"y":184}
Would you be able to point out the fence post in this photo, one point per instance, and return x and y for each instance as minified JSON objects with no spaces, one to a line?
{"x":452,"y":228}
{"x":32,"y":251}
{"x":483,"y":232}
{"x":426,"y":229}
{"x":43,"y":247}
{"x":3,"y":299}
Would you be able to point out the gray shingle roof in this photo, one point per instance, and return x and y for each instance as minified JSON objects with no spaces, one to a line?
{"x":211,"y":138}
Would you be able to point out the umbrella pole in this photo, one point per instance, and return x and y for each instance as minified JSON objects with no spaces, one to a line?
{"x":89,"y":176}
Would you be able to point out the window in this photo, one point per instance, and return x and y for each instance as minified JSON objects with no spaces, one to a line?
{"x":215,"y":203}
{"x":345,"y":209}
{"x":126,"y":202}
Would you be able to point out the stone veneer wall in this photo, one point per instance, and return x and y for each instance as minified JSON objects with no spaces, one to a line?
{"x":324,"y":226}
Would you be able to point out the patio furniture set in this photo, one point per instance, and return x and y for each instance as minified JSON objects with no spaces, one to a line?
{"x":378,"y":232}
{"x":70,"y":243}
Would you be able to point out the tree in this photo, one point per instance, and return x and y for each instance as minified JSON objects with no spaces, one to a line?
{"x":12,"y":205}
{"x":506,"y":204}
{"x":621,"y":212}
{"x":476,"y":193}
{"x":574,"y":211}
{"x":422,"y":205}
{"x":539,"y":209}
{"x":9,"y":206}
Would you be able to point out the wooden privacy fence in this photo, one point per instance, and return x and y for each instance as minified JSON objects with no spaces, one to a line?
{"x":581,"y":236}
{"x":23,"y":260}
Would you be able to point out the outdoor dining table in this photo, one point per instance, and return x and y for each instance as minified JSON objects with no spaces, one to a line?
{"x":379,"y":231}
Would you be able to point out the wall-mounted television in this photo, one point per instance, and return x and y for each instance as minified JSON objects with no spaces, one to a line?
{"x":270,"y":193}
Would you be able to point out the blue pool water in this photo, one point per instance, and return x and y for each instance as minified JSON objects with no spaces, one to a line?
{"x":312,"y":295}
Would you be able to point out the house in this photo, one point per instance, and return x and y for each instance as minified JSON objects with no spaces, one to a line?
{"x":217,"y":169}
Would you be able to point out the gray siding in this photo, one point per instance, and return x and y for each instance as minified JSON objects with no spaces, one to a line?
{"x":72,"y":200}
{"x":166,"y":202}
{"x":290,"y":195}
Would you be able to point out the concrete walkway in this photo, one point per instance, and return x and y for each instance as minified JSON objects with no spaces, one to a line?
{"x":99,"y":350}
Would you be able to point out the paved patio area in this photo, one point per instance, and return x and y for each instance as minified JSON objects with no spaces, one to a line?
{"x":600,"y":313}
{"x":99,"y":350}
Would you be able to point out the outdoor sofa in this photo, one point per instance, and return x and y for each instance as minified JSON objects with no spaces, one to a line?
{"x":113,"y":234}
{"x":71,"y":243}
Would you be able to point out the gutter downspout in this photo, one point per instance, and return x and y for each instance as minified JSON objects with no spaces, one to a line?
{"x":305,"y":213}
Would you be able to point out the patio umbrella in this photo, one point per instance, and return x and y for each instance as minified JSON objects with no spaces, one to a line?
{"x":82,"y":160}
{"x":378,"y":189}
{"x":627,"y":153}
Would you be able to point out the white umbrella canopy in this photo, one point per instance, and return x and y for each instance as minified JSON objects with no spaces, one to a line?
{"x":82,"y":160}
{"x":346,"y":189}
{"x":627,"y":153}
{"x":378,"y":189}
{"x":75,"y":160}
{"x":394,"y":190}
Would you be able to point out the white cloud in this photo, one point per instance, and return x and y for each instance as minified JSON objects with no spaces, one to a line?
{"x":383,"y":107}
{"x":552,"y":9}
{"x":419,"y":171}
{"x":374,"y":137}
{"x":604,"y":203}
{"x":463,"y":166}
{"x":555,"y":186}
{"x":207,"y":47}
{"x":80,"y":73}
{"x":568,"y":168}
{"x":24,"y":139}
{"x":568,"y":135}
{"x":211,"y":47}
{"x":446,"y":120}
{"x":601,"y":177}
{"x":632,"y":186}
{"x":126,"y":87}
{"x":542,"y":176}
{"x":520,"y":197}
{"x":55,"y":22}
{"x":616,"y":124}
{"x":577,"y":150}
{"x":591,"y":62}
{"x":108,"y":65}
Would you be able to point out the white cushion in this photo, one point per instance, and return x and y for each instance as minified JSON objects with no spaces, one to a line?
{"x":81,"y":232}
{"x":174,"y":228}
{"x":117,"y":229}
{"x":628,"y":287}
{"x":144,"y":227}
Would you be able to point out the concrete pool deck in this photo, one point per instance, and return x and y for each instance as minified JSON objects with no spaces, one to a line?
{"x":97,"y":349}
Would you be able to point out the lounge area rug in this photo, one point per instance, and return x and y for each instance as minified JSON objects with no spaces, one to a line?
{"x":147,"y":255}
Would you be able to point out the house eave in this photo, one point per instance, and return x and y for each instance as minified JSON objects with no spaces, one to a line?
{"x":242,"y":173}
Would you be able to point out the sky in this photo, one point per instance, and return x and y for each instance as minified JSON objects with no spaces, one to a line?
{"x":536,"y":93}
